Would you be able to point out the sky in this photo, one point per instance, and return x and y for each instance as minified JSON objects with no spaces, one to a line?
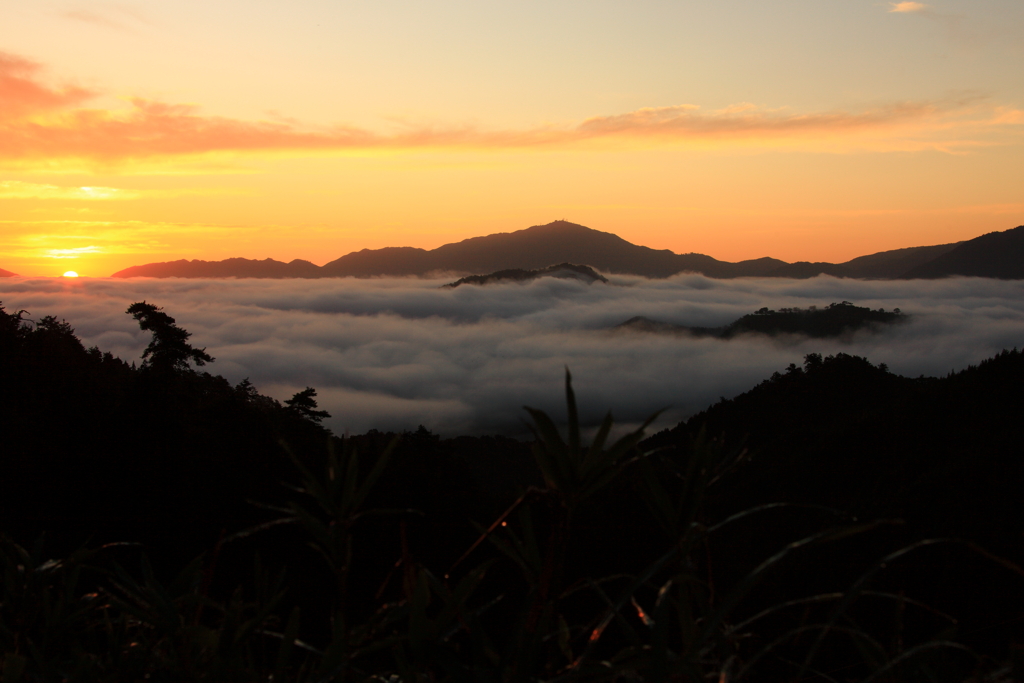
{"x":142,"y":131}
{"x":394,"y":353}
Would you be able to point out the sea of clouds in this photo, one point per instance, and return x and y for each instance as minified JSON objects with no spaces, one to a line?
{"x":395,"y":353}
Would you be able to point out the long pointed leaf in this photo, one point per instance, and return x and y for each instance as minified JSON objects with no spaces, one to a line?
{"x":574,"y":421}
{"x":550,"y":451}
{"x":348,"y":503}
{"x":932,"y":645}
{"x":858,"y":586}
{"x":597,"y":445}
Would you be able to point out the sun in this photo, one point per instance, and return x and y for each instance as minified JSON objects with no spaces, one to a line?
{"x":71,"y":273}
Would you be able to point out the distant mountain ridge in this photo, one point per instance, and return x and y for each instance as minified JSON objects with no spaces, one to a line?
{"x":7,"y":273}
{"x":998,"y":255}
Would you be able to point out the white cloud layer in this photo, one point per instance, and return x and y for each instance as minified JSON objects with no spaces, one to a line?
{"x":395,"y":353}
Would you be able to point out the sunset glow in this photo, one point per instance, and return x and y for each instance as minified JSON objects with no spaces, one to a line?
{"x":137,"y":134}
{"x":505,"y":311}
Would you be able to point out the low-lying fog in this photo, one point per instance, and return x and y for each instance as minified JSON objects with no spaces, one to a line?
{"x":392,"y":354}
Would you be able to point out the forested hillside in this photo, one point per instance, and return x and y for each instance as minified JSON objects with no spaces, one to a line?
{"x":837,"y":521}
{"x":834,"y":320}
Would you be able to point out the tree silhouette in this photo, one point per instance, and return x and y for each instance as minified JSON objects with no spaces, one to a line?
{"x":304,"y":403}
{"x":169,"y":349}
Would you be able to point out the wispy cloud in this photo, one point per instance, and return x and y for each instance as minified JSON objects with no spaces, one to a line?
{"x":91,"y":17}
{"x":961,"y":29}
{"x":72,"y":253}
{"x":43,"y":124}
{"x":905,"y":7}
{"x":106,"y":15}
{"x":750,"y":121}
{"x":1008,"y":116}
{"x":14,"y":189}
{"x":24,"y":93}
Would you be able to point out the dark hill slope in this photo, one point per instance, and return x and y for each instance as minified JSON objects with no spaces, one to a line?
{"x":996,"y":255}
{"x":7,"y":273}
{"x":387,"y":261}
{"x":883,"y":265}
{"x":938,"y":457}
{"x":892,"y":264}
{"x":941,"y":453}
{"x":95,"y":447}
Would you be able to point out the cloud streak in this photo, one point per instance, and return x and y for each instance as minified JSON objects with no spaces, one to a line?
{"x":906,"y":7}
{"x":396,"y":353}
{"x":117,"y":17}
{"x":25,"y":94}
{"x":15,"y":189}
{"x":41,"y":123}
{"x":72,"y":253}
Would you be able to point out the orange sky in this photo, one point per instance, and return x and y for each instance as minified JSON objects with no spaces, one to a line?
{"x":136,"y":132}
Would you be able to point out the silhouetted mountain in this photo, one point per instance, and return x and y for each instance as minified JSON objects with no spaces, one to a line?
{"x":232,"y":267}
{"x":530,"y":249}
{"x":387,"y":261}
{"x":884,"y":265}
{"x":833,"y":320}
{"x":890,"y":264}
{"x":536,"y":248}
{"x":566,"y":271}
{"x":997,"y":254}
{"x":7,"y":273}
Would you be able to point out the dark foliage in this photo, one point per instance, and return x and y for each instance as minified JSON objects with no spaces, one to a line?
{"x":303,"y":403}
{"x":169,"y":350}
{"x":95,"y":447}
{"x":563,"y":270}
{"x":833,"y":320}
{"x":490,"y":559}
{"x":940,"y":456}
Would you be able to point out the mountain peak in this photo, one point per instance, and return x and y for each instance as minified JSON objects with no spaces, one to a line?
{"x":561,"y":224}
{"x":563,"y":227}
